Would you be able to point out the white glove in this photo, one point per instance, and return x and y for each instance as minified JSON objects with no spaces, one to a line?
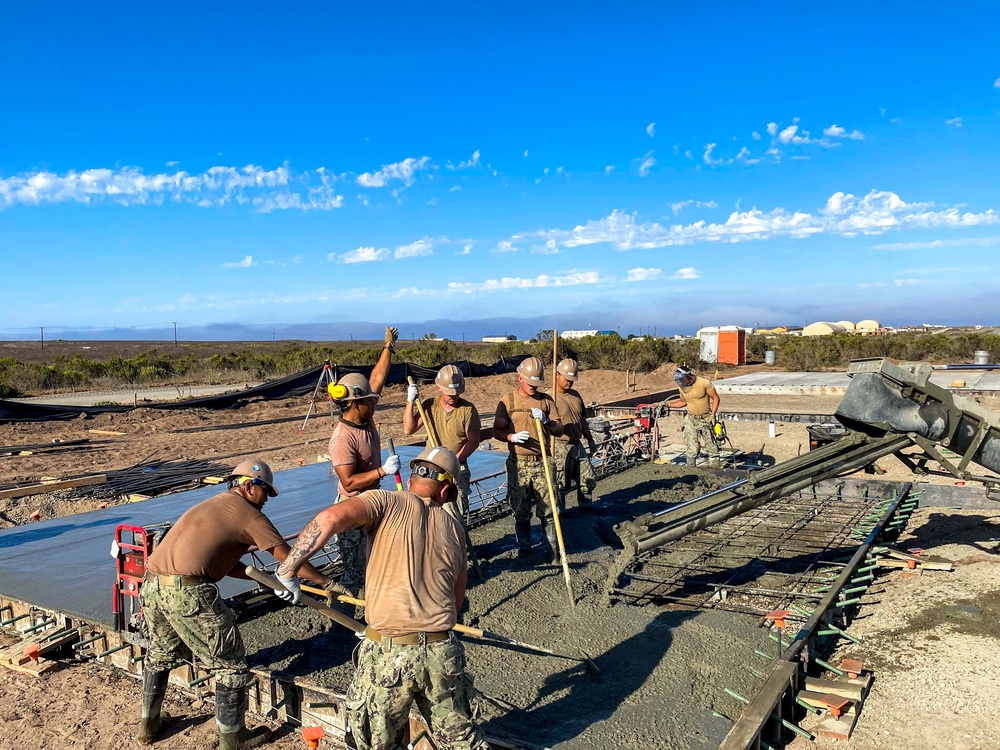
{"x":537,"y":413}
{"x":412,"y":393}
{"x":520,"y":437}
{"x":292,"y":591}
{"x":391,"y":465}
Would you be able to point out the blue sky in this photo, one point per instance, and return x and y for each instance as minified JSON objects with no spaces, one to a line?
{"x":642,"y":166}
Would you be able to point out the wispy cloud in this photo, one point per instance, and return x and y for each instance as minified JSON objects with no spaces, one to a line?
{"x":551,"y":247}
{"x":844,"y":215}
{"x":525,"y":153}
{"x":245,"y":263}
{"x":940,"y":244}
{"x":361,"y":255}
{"x":644,"y":274}
{"x":608,"y":169}
{"x":651,"y":129}
{"x":996,"y":83}
{"x":264,"y":189}
{"x":466,"y":249}
{"x":472,"y":161}
{"x":685,"y":274}
{"x":681,"y":205}
{"x":707,"y":156}
{"x":574,"y":278}
{"x":954,"y":122}
{"x":835,"y":131}
{"x":646,"y":164}
{"x":403,"y":171}
{"x":506,"y":246}
{"x":416,"y":249}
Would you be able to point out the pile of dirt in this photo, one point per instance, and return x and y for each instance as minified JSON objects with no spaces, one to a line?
{"x":660,"y":671}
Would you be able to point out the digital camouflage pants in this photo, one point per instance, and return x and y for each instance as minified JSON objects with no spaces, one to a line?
{"x":389,"y":679}
{"x":699,"y":429}
{"x":573,"y":467}
{"x":192,"y":623}
{"x":527,"y":489}
{"x":354,"y":553}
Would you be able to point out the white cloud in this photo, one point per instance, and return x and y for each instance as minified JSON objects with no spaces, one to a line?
{"x":525,"y":153}
{"x":364,"y":199}
{"x":745,"y":157}
{"x":416,"y":249}
{"x":651,"y":129}
{"x":793,"y":135}
{"x":362,"y":255}
{"x":646,"y":163}
{"x":473,"y":161}
{"x":940,"y":244}
{"x":466,"y":249}
{"x":843,"y":215}
{"x":835,"y":131}
{"x":956,"y":121}
{"x":172,"y":163}
{"x":644,"y":274}
{"x":707,"y":156}
{"x":681,"y":205}
{"x":551,"y":247}
{"x":245,"y":263}
{"x":755,"y":135}
{"x":574,"y":278}
{"x":907,"y":282}
{"x":454,"y":188}
{"x":405,"y":171}
{"x":265,"y":189}
{"x":506,"y":246}
{"x":609,"y":169}
{"x":772,"y":128}
{"x":996,"y":83}
{"x":685,"y":274}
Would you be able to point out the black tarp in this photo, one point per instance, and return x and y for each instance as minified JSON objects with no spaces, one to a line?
{"x":299,"y":384}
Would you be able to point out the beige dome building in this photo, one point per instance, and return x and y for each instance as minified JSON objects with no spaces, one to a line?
{"x":822,"y":329}
{"x":846,"y":325}
{"x":868,"y":326}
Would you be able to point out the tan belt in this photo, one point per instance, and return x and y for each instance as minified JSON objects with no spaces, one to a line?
{"x":180,"y":582}
{"x":411,"y":639}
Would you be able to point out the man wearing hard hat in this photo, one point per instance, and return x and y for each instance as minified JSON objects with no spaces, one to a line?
{"x":701,"y":399}
{"x":572,"y":459}
{"x":185,"y":618}
{"x":356,"y":453}
{"x":514,"y":424}
{"x":416,"y":580}
{"x":455,"y":422}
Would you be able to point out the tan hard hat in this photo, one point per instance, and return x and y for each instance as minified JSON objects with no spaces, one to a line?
{"x":450,"y":380}
{"x":532,"y":369}
{"x":258,"y":471}
{"x":443,"y":458}
{"x":357,"y":386}
{"x":569,"y":369}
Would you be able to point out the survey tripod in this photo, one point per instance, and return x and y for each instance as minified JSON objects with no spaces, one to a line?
{"x":323,"y":384}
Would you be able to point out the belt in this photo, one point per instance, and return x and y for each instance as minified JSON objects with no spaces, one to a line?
{"x":411,"y":639}
{"x":528,"y":458}
{"x":180,"y":582}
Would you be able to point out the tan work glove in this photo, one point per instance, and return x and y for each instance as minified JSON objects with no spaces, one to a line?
{"x":333,"y":590}
{"x":391,"y":336}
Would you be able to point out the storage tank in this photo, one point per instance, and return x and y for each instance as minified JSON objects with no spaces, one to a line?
{"x":769,"y":357}
{"x":980,"y":357}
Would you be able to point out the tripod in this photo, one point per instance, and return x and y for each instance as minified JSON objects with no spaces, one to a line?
{"x":325,"y":380}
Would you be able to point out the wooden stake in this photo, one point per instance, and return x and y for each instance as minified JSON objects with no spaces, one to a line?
{"x":555,"y":512}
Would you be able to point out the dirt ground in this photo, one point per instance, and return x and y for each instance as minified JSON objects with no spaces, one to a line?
{"x":932,"y":640}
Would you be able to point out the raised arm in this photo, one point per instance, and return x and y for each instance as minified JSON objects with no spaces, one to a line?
{"x":381,"y":370}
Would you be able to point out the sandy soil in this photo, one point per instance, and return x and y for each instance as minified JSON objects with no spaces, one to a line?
{"x":932,"y":640}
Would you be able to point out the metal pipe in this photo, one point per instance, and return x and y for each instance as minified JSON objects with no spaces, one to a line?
{"x":12,"y":620}
{"x":109,"y":651}
{"x":38,"y":626}
{"x":81,"y":644}
{"x":200,"y":680}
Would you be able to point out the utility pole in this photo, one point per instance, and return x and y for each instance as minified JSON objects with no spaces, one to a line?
{"x":272,"y":335}
{"x":175,"y":334}
{"x":40,"y":328}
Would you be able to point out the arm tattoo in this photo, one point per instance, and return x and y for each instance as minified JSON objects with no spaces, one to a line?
{"x":303,"y":549}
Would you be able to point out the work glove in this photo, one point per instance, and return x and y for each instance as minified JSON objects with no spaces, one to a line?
{"x":412,"y":393}
{"x":520,"y":437}
{"x":391,"y":465}
{"x":333,"y":590}
{"x":292,"y":591}
{"x":537,"y":413}
{"x":391,"y":335}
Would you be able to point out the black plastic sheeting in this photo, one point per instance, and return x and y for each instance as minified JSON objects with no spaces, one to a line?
{"x":299,"y":384}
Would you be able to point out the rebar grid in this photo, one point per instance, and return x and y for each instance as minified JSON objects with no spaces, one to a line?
{"x":756,"y":562}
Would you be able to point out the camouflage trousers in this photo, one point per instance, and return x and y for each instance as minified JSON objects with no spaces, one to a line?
{"x":354,"y":553}
{"x":699,"y":429}
{"x":460,"y":507}
{"x":527,"y":489}
{"x":389,"y":679}
{"x":189,"y":623}
{"x":573,"y":467}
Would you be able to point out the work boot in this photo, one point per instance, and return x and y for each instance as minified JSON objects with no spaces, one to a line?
{"x":522,"y":533}
{"x":585,"y":502}
{"x":230,"y":717}
{"x":549,"y":553}
{"x":692,"y":461}
{"x":154,"y":689}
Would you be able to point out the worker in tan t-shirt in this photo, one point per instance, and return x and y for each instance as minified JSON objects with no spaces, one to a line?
{"x":514,"y":424}
{"x":356,"y":455}
{"x":185,"y":618}
{"x":454,"y":420}
{"x":701,"y":399}
{"x":571,"y":457}
{"x":416,"y":580}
